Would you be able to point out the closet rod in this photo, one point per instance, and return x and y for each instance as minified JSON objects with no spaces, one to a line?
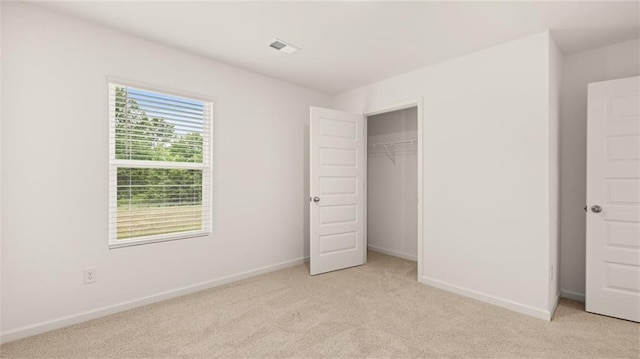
{"x":393,"y":143}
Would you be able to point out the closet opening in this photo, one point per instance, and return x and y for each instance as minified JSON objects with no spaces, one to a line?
{"x":393,"y":183}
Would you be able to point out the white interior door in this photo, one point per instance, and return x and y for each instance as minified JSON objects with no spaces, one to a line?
{"x":613,"y":199}
{"x":337,"y":213}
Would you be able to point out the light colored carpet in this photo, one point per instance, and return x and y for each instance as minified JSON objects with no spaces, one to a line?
{"x":377,"y":310}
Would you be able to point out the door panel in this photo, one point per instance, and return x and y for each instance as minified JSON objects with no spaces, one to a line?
{"x":337,"y":181}
{"x":613,"y":183}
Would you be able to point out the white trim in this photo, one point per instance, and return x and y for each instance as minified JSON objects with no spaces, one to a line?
{"x":365,"y":184}
{"x":500,"y":302}
{"x":580,"y":297}
{"x":66,"y":321}
{"x":394,"y":107}
{"x":420,"y":258}
{"x":418,"y":102}
{"x":165,"y":90}
{"x":391,"y":252}
{"x":122,"y":243}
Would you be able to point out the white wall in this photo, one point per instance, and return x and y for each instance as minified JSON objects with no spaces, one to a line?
{"x":392,"y":189}
{"x":606,"y":63}
{"x":55,"y":172}
{"x":486,"y":170}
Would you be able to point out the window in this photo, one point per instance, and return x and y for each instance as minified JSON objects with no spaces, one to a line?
{"x":159,"y":166}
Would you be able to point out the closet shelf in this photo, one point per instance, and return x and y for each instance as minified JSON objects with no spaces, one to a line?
{"x":390,"y":147}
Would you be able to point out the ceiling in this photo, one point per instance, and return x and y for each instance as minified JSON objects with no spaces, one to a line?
{"x":350,"y":44}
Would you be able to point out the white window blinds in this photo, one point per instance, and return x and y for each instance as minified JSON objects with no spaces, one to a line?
{"x":160,"y":172}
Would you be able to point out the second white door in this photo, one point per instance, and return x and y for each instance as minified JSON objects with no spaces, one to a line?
{"x":613,"y":199}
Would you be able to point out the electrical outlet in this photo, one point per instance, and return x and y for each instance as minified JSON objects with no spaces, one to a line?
{"x":89,"y":275}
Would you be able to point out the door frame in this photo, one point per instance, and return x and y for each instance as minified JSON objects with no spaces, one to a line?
{"x":371,"y":111}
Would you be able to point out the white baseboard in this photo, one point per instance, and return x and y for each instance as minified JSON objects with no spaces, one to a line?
{"x":394,"y":253}
{"x":572,"y":295}
{"x":500,"y":302}
{"x":66,"y":321}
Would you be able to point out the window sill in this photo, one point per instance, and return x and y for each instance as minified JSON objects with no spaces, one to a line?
{"x":156,"y":239}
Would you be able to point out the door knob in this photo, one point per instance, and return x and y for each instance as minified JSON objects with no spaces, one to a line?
{"x":316,"y":199}
{"x":596,"y":209}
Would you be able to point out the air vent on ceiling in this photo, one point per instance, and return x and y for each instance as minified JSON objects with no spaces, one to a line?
{"x":283,"y":46}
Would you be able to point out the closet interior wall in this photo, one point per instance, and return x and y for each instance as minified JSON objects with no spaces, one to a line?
{"x":392,"y":183}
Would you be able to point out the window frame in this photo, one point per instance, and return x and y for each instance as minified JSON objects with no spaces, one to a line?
{"x":206,"y":167}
